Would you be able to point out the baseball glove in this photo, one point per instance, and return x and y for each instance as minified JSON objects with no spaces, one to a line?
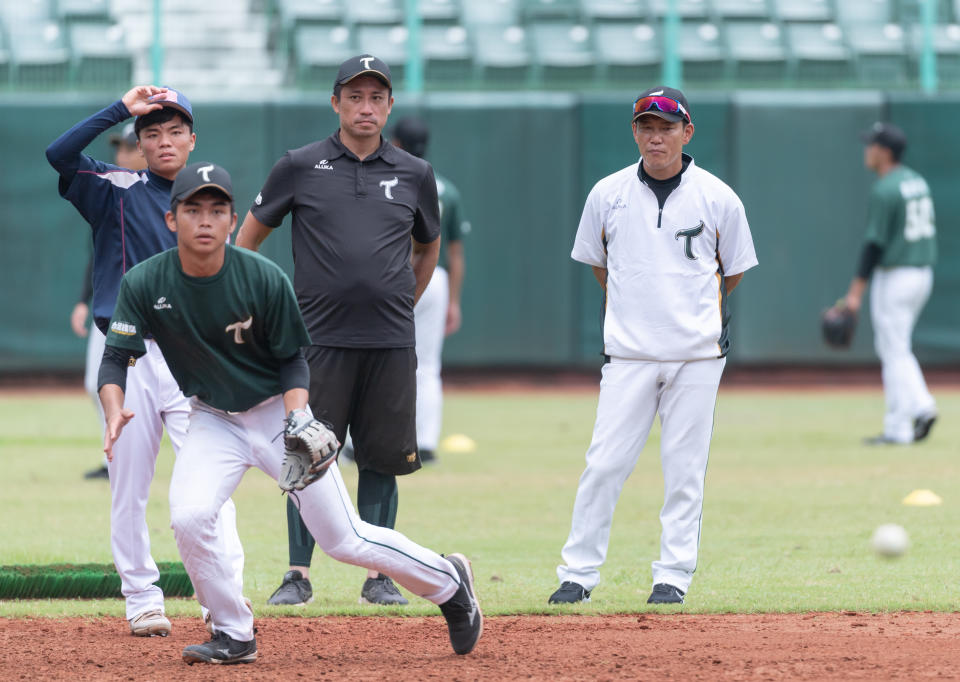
{"x":309,"y":450}
{"x":838,"y":325}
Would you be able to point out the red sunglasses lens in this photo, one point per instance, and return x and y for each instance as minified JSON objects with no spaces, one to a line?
{"x":664,"y":104}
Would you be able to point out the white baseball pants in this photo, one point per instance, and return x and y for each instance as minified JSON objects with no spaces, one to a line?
{"x":897,"y":298}
{"x":632,"y":393}
{"x":156,"y":400}
{"x":430,"y":316}
{"x":218,"y":450}
{"x":95,"y":343}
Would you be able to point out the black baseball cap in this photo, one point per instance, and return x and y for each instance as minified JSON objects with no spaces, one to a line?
{"x":413,"y":135}
{"x":363,"y":65}
{"x":886,"y":135}
{"x":197,"y":176}
{"x":127,"y":136}
{"x":662,"y":108}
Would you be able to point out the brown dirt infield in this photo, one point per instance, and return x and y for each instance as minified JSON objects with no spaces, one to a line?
{"x":810,"y":646}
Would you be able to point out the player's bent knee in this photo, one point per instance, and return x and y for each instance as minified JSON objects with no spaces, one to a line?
{"x":191,"y":520}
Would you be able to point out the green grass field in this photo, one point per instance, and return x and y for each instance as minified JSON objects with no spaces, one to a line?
{"x":791,"y":500}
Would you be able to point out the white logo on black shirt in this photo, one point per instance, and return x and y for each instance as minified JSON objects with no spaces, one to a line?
{"x":324,"y":165}
{"x":162,"y":304}
{"x":388,"y":185}
{"x":238,"y":327}
{"x":259,"y":199}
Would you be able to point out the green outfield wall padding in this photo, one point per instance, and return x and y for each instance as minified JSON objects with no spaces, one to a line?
{"x":82,"y":581}
{"x":524,"y":163}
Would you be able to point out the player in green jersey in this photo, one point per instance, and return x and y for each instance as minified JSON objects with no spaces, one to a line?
{"x":228,"y":324}
{"x":898,"y":256}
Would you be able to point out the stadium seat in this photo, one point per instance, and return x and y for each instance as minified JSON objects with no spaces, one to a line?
{"x":318,"y":52}
{"x":383,"y":12}
{"x":563,"y":54}
{"x":439,"y":11}
{"x":446,"y":55}
{"x":70,"y":11}
{"x":735,"y":10}
{"x":818,"y":53}
{"x":757,"y":52}
{"x":629,"y":54}
{"x":537,"y":10}
{"x":702,"y":52}
{"x":492,"y":12}
{"x":100,"y":56}
{"x":501,"y":55}
{"x":946,"y":45}
{"x":851,"y":12}
{"x":40,"y":56}
{"x":880,"y":52}
{"x":803,"y":10}
{"x":686,"y":9}
{"x":389,"y":43}
{"x":296,"y":13}
{"x":598,"y":10}
{"x":5,"y":66}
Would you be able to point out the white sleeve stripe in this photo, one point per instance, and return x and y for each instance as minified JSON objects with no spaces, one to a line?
{"x":119,"y":178}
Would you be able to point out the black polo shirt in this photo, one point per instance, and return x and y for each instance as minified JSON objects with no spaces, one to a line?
{"x":352,"y":223}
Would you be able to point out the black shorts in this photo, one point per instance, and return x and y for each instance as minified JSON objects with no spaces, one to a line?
{"x":374,"y":392}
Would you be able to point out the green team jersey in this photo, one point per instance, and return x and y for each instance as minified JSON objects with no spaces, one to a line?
{"x":453,"y":227}
{"x":224,"y":337}
{"x":900,"y":219}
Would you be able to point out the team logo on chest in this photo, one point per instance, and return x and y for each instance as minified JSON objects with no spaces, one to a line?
{"x":688,"y":236}
{"x":162,"y":304}
{"x":324,"y":164}
{"x":389,"y":185}
{"x":238,"y":327}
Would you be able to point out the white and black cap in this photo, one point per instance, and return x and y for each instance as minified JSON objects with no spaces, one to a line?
{"x":363,"y":65}
{"x":198,"y":176}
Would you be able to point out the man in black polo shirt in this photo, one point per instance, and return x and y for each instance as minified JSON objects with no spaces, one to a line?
{"x":356,"y":202}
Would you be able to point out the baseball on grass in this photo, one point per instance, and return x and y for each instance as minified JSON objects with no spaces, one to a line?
{"x":890,"y":540}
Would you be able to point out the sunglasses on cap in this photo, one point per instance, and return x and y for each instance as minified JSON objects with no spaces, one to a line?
{"x":667,"y":105}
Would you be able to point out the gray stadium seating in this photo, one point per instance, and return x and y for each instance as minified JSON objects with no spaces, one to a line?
{"x":491,"y":12}
{"x":819,"y":54}
{"x":880,"y":51}
{"x":803,"y":10}
{"x":501,"y":55}
{"x":40,"y":56}
{"x":446,"y":55}
{"x":735,"y":10}
{"x":563,"y":54}
{"x":618,"y":10}
{"x":383,"y":12}
{"x":757,"y":53}
{"x":702,"y":52}
{"x":687,"y":9}
{"x":318,"y":52}
{"x":100,"y":56}
{"x":628,"y":53}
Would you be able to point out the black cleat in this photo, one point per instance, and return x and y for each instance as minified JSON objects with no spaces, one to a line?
{"x":922,"y":426}
{"x":221,"y":650}
{"x":99,"y":472}
{"x":381,"y":590}
{"x":880,"y":440}
{"x":569,"y":593}
{"x":462,"y":610}
{"x":665,"y":594}
{"x":295,"y":589}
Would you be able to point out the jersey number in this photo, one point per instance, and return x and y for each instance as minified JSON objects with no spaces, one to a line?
{"x":919,"y":219}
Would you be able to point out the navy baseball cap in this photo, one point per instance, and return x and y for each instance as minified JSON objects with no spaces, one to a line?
{"x":127,"y":136}
{"x":668,"y":103}
{"x":886,"y":135}
{"x":412,"y":134}
{"x":197,"y":176}
{"x":363,"y":65}
{"x":171,"y":99}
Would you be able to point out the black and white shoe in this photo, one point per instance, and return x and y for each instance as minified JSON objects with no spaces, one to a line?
{"x":569,"y":593}
{"x":880,"y":440}
{"x":294,"y":590}
{"x":222,"y":649}
{"x":922,"y":426}
{"x":665,"y":594}
{"x":462,"y":610}
{"x":381,"y":590}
